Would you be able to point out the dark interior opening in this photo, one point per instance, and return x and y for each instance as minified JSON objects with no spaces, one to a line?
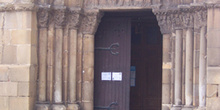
{"x":146,"y":63}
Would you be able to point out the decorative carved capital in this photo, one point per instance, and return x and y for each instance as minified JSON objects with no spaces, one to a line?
{"x":43,"y":15}
{"x":188,"y":20}
{"x":164,"y":22}
{"x":177,"y":20}
{"x":90,"y":22}
{"x":73,"y":18}
{"x":201,"y":18}
{"x":59,"y":16}
{"x":17,"y":7}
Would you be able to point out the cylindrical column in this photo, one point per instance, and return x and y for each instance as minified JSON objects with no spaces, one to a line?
{"x":189,"y":67}
{"x":58,"y":66}
{"x":202,"y":68}
{"x":178,"y":67}
{"x":72,"y":64}
{"x":88,"y":72}
{"x":42,"y":64}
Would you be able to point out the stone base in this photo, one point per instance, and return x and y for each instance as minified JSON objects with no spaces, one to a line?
{"x":201,"y":108}
{"x":187,"y":108}
{"x":42,"y":106}
{"x":58,"y":107}
{"x":73,"y":107}
{"x":176,"y":107}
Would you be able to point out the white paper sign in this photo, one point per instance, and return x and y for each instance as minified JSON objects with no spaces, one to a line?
{"x":106,"y":76}
{"x":117,"y":76}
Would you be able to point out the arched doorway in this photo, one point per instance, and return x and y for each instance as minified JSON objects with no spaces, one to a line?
{"x":128,"y":61}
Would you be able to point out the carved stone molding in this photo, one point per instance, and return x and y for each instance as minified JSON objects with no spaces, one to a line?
{"x":201,"y":18}
{"x":188,"y":20}
{"x":73,"y":18}
{"x":17,"y":7}
{"x":164,"y":21}
{"x":43,"y":17}
{"x":59,"y":16}
{"x":90,"y":21}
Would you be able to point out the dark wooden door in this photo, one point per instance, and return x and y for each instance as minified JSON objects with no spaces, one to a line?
{"x":146,"y":57}
{"x":112,"y":31}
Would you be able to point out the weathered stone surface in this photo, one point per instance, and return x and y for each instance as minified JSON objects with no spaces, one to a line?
{"x":213,"y":38}
{"x":88,"y":74}
{"x":166,"y":76}
{"x":19,"y":103}
{"x":213,"y":103}
{"x":166,"y":93}
{"x":8,"y":88}
{"x":23,"y":89}
{"x":213,"y":75}
{"x":87,"y":90}
{"x":58,"y":107}
{"x":4,"y":103}
{"x":24,"y":54}
{"x":212,"y":90}
{"x":42,"y":107}
{"x":19,"y":73}
{"x":73,"y":107}
{"x":213,"y":56}
{"x":3,"y":73}
{"x":9,"y":55}
{"x":89,"y":60}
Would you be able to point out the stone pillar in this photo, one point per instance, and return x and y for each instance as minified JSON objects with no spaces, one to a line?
{"x":42,"y":103}
{"x":73,"y":23}
{"x":202,"y":22}
{"x":89,"y":25}
{"x":177,"y":25}
{"x":188,"y":22}
{"x":58,"y":99}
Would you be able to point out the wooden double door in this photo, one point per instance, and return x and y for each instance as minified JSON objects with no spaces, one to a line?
{"x":128,"y":64}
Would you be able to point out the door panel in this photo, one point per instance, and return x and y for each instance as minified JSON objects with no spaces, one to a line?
{"x":112,"y":30}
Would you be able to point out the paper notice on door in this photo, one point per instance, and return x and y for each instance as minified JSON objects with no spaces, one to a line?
{"x":117,"y":76}
{"x":106,"y":76}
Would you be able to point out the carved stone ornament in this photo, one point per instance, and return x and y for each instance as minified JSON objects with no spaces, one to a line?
{"x":42,"y":16}
{"x":177,"y":20}
{"x":17,"y":7}
{"x":73,"y":18}
{"x":165,"y":23}
{"x":201,"y":18}
{"x":90,"y":22}
{"x":188,"y":20}
{"x":59,"y":16}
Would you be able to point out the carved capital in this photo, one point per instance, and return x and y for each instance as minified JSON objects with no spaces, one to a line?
{"x":73,"y":18}
{"x":90,"y":22}
{"x":188,"y":20}
{"x":165,"y":23}
{"x":43,"y":15}
{"x":59,"y":17}
{"x":177,"y":20}
{"x":201,"y":18}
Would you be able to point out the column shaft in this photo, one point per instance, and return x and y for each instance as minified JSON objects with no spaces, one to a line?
{"x":58,"y":67}
{"x":42,"y":64}
{"x":178,"y":67}
{"x":72,"y":65}
{"x":202,"y":68}
{"x":189,"y":67}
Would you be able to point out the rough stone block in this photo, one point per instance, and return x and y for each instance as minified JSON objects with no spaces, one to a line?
{"x":8,"y":89}
{"x":4,"y":103}
{"x":165,"y":93}
{"x":166,"y":76}
{"x":6,"y":1}
{"x":19,"y":73}
{"x":213,"y":104}
{"x":23,"y":89}
{"x":42,"y":107}
{"x":5,"y":37}
{"x":12,"y":21}
{"x":58,"y":107}
{"x":87,"y":106}
{"x":73,"y":107}
{"x":19,"y":103}
{"x":89,"y":60}
{"x":213,"y":56}
{"x":213,"y":75}
{"x":9,"y":55}
{"x":216,"y":18}
{"x":3,"y":73}
{"x":21,"y":36}
{"x":87,"y":90}
{"x":88,"y":74}
{"x":88,"y":43}
{"x":210,"y":19}
{"x":24,"y":54}
{"x":212,"y":90}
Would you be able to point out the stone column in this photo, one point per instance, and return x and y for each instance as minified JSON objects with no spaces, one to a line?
{"x":89,"y":25}
{"x":58,"y":20}
{"x":42,"y":103}
{"x":188,"y":22}
{"x":73,"y":19}
{"x":202,"y":18}
{"x":177,"y":25}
